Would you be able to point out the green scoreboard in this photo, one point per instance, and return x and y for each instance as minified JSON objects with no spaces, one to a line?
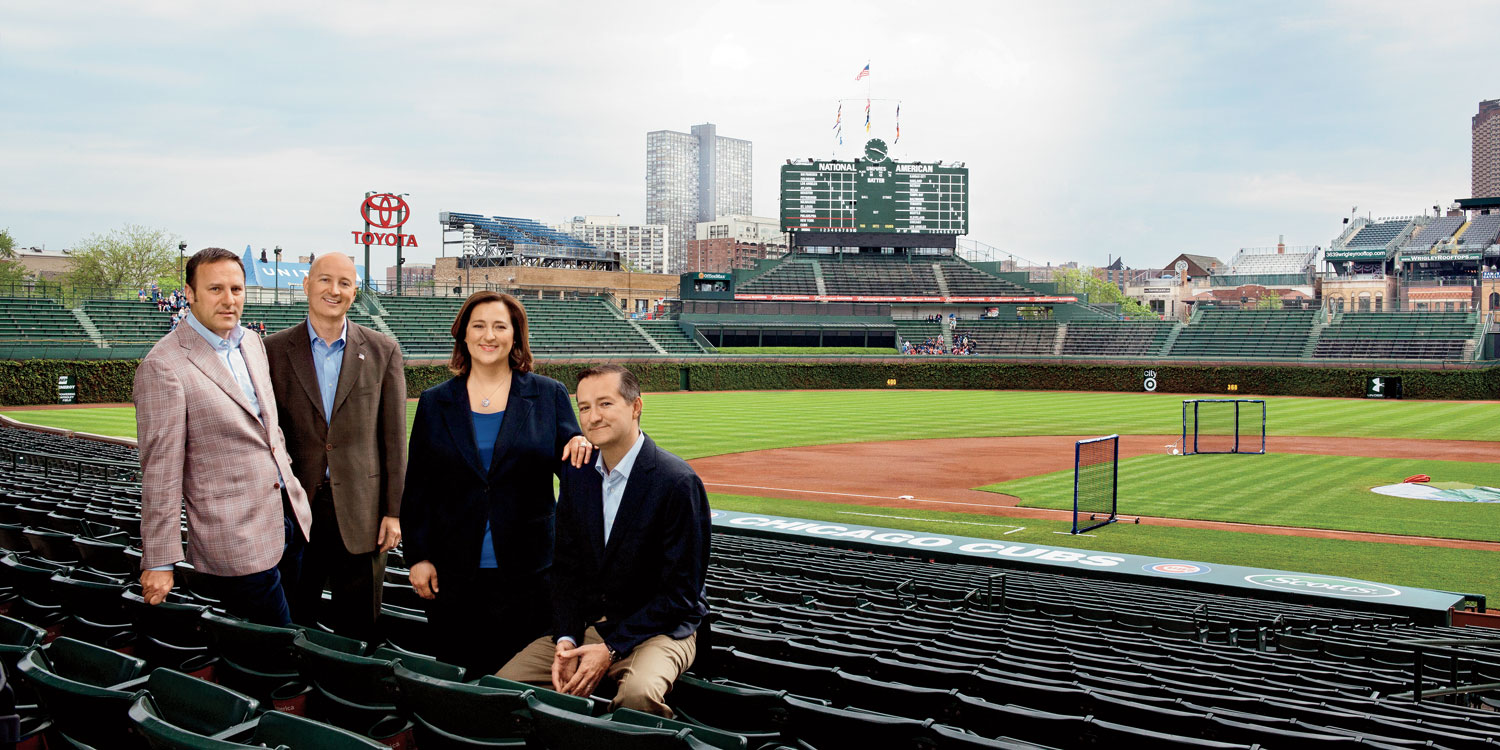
{"x":874,"y":194}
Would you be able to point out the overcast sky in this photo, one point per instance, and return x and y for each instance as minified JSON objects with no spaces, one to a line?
{"x":1090,"y":129}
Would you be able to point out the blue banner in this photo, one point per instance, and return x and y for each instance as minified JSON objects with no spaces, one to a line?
{"x":290,"y":274}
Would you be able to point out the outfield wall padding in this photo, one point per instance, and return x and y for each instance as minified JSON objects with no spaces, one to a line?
{"x":34,"y":381}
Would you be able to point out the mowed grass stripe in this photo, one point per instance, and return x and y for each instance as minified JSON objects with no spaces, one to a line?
{"x":703,"y":424}
{"x":1321,"y":492}
{"x":1441,"y":568}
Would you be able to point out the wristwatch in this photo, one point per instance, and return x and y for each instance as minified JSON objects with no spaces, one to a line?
{"x":614,"y":655}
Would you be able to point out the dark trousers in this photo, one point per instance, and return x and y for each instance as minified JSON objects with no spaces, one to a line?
{"x":481,"y":618}
{"x":354,"y":581}
{"x":257,"y":597}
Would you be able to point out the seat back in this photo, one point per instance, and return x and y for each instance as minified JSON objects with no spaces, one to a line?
{"x":473,"y":712}
{"x":79,"y":684}
{"x":198,"y":706}
{"x":563,"y":730}
{"x":146,"y":720}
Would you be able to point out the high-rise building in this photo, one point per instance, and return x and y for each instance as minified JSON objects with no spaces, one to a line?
{"x":1486,"y":129}
{"x":693,"y":177}
{"x":642,"y":246}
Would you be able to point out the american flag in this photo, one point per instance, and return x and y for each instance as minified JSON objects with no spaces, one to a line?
{"x":863,"y":73}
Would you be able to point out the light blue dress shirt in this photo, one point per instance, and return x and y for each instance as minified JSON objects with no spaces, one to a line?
{"x":486,"y":432}
{"x":233,"y":359}
{"x":615,"y":481}
{"x":328,"y":360}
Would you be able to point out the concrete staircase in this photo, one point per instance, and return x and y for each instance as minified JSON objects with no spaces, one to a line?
{"x":644,"y":335}
{"x":818,"y":278}
{"x":90,"y":328}
{"x":1057,"y":342}
{"x":1166,"y":346}
{"x":942,"y":282}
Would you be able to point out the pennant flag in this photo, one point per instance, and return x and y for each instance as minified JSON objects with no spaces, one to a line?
{"x":867,"y":114}
{"x":863,"y":73}
{"x":839,"y":120}
{"x":898,"y":125}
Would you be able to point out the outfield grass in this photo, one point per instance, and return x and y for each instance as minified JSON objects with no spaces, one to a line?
{"x":1461,"y":571}
{"x":1322,"y":492}
{"x":705,"y":424}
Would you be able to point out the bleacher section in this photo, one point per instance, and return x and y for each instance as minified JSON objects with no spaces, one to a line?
{"x":1246,"y":333}
{"x":33,"y":326}
{"x":1126,"y":338}
{"x":790,"y":277}
{"x":1440,"y":229}
{"x":1010,"y":337}
{"x":816,"y":647}
{"x":670,"y":336}
{"x":559,"y":328}
{"x":918,"y":331}
{"x":128,"y":322}
{"x":1397,"y":335}
{"x":965,"y":280}
{"x":876,"y":275}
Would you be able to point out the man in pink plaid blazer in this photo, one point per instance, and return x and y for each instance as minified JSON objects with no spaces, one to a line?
{"x":208,"y":436}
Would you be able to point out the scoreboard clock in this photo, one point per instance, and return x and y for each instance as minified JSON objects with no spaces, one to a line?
{"x":875,"y":194}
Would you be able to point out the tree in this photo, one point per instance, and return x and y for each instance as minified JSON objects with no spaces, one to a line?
{"x":129,"y":258}
{"x":12,"y":276}
{"x":7,"y":245}
{"x":1271,"y":301}
{"x":1083,"y":281}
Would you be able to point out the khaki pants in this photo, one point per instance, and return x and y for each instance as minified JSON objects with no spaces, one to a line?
{"x":644,"y":677}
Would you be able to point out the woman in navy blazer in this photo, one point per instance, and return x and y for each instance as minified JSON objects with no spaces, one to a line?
{"x":477,"y":511}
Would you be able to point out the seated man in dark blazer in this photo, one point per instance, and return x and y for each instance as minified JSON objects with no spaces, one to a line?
{"x":630,"y":559}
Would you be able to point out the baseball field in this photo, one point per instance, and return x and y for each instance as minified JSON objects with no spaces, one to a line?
{"x":999,"y":464}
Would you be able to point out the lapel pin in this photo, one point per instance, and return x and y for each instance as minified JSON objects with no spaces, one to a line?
{"x":361,"y":355}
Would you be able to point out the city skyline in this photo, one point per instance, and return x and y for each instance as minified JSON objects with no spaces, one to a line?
{"x":1180,"y":127}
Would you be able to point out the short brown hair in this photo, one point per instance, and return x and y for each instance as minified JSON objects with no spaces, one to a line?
{"x":630,"y":386}
{"x":520,"y":351}
{"x":209,"y":255}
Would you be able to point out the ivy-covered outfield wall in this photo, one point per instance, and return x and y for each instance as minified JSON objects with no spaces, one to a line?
{"x":109,"y":381}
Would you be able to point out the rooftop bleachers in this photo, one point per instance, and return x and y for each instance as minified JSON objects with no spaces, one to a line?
{"x":1126,"y":338}
{"x":1440,"y":229}
{"x":1246,"y":333}
{"x":1007,"y":337}
{"x":897,"y":275}
{"x":1482,"y":232}
{"x":1248,"y":263}
{"x":1396,"y":335}
{"x":792,"y":276}
{"x":1377,"y":234}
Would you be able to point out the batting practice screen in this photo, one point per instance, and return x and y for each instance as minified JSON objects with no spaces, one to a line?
{"x":1223,"y":425}
{"x":1096,"y":474}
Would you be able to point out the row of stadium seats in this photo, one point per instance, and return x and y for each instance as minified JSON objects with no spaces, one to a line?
{"x":875,"y":275}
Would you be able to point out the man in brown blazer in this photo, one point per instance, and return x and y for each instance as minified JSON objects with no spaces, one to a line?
{"x":342,"y":392}
{"x":208,"y":435}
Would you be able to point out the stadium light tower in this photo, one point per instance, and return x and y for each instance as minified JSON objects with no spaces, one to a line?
{"x":182,"y":261}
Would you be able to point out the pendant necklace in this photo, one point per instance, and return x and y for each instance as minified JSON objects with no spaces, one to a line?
{"x":484,"y":403}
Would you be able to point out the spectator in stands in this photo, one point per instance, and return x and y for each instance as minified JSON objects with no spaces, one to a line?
{"x":631,"y":560}
{"x":477,"y":510}
{"x":203,"y":400}
{"x":342,"y":392}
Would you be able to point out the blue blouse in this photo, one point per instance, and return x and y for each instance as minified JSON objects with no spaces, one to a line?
{"x":486,"y":431}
